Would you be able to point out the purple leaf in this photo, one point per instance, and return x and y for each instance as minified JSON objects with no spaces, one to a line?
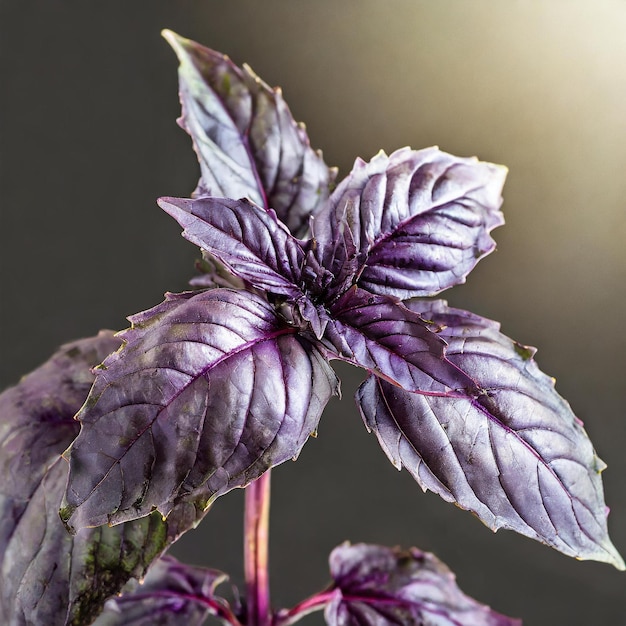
{"x":411,"y":224}
{"x":515,"y":455}
{"x":36,"y":416}
{"x":246,"y":140}
{"x":379,"y":586}
{"x":247,"y":239}
{"x":210,"y":390}
{"x":171,"y":594}
{"x":381,"y":335}
{"x":48,"y":576}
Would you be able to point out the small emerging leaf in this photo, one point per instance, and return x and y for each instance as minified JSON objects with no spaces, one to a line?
{"x":172,"y":594}
{"x":247,"y":142}
{"x":379,"y":586}
{"x":210,"y":390}
{"x":515,"y":455}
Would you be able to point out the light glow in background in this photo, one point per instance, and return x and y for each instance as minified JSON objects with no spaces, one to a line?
{"x":89,"y":142}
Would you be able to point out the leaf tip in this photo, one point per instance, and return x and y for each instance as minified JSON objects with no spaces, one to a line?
{"x":174,"y":206}
{"x":618,"y":562}
{"x":608,"y":555}
{"x":173,"y":39}
{"x":189,"y":54}
{"x":164,"y":201}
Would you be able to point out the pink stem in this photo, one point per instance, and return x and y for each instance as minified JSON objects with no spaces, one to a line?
{"x":256,"y":537}
{"x":286,"y":617}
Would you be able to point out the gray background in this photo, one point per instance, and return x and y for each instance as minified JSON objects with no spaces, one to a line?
{"x":88,"y":142}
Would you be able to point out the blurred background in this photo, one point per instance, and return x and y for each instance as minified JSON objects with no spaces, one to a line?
{"x":88,"y":142}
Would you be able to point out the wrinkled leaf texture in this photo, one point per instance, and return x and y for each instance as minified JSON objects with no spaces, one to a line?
{"x":48,"y":576}
{"x":187,"y":411}
{"x":244,"y":237}
{"x":368,"y":330}
{"x":247,"y":142}
{"x":382,"y":335}
{"x":210,"y":390}
{"x":172,"y":594}
{"x":515,"y":455}
{"x":411,"y":224}
{"x":380,"y":586}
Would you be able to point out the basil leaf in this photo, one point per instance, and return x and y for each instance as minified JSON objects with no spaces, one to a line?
{"x":248,"y":240}
{"x":246,"y":139}
{"x":515,"y":455}
{"x":383,"y":336}
{"x":171,"y":594}
{"x":411,"y":224}
{"x":380,"y":586}
{"x":210,"y":390}
{"x":49,"y":576}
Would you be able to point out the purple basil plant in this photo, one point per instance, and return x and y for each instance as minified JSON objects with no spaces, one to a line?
{"x":104,"y":468}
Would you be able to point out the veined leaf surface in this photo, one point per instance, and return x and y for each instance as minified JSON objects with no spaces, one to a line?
{"x":247,"y":142}
{"x":515,"y":455}
{"x":411,"y":224}
{"x":380,"y":586}
{"x":172,"y":594}
{"x":380,"y":334}
{"x":210,"y":391}
{"x":49,"y":576}
{"x":246,"y":238}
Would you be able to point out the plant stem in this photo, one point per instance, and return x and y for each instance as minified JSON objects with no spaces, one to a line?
{"x":286,"y":617}
{"x":256,"y":536}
